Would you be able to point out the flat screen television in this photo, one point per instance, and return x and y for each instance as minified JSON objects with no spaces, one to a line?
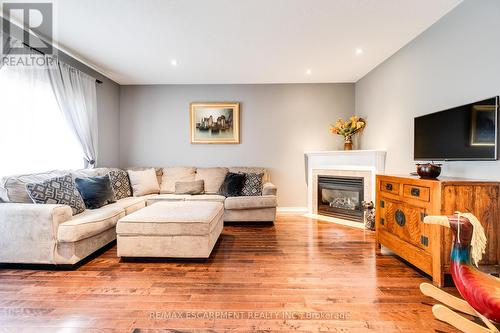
{"x":463,"y":133}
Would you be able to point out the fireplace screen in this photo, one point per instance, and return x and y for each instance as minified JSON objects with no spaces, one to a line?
{"x":341,"y":197}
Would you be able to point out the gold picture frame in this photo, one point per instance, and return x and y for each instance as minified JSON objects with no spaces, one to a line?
{"x":215,"y":122}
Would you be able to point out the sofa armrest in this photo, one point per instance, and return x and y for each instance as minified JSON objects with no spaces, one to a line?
{"x":28,"y":232}
{"x":269,"y":189}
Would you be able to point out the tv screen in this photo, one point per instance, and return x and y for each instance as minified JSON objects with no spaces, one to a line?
{"x":467,"y":132}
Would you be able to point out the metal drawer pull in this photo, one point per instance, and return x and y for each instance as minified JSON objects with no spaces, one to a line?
{"x":400,"y":217}
{"x":424,"y":240}
{"x":388,"y":187}
{"x":415,"y":192}
{"x":382,"y":221}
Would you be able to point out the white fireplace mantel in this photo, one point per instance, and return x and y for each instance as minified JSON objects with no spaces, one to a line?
{"x":355,"y":161}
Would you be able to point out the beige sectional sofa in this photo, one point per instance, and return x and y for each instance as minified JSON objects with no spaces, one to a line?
{"x":50,"y":234}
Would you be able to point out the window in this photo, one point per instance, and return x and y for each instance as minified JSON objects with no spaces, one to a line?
{"x":34,"y":136}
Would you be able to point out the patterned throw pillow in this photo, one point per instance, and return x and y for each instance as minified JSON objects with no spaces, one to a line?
{"x":120,"y":183}
{"x":252,"y":185}
{"x":58,"y":190}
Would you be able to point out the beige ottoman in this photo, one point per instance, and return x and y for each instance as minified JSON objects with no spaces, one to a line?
{"x":171,"y":229}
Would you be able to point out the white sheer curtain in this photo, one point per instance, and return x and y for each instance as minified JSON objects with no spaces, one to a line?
{"x":75,"y":93}
{"x":33,"y":134}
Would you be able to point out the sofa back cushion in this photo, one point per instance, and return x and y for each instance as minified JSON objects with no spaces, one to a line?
{"x":213,"y":178}
{"x":84,"y":173}
{"x":265,"y":178}
{"x":143,"y":182}
{"x":13,"y":188}
{"x":173,"y":175}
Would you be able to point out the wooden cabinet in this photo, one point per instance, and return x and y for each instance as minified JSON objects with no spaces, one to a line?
{"x":403,"y":202}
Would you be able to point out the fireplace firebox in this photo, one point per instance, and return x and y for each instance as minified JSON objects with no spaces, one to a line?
{"x":341,"y":197}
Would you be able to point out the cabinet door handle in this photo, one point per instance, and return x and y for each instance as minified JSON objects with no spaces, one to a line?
{"x":388,"y":187}
{"x":415,"y":192}
{"x":424,"y":240}
{"x":400,"y":218}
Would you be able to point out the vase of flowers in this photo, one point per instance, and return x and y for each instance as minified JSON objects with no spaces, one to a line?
{"x":347,"y":128}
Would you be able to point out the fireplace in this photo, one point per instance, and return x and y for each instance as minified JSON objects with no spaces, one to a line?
{"x":341,"y":197}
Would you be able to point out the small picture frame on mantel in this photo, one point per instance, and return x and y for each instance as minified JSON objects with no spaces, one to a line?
{"x":215,"y":123}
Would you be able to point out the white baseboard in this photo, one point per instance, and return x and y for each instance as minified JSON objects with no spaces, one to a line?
{"x":292,"y":210}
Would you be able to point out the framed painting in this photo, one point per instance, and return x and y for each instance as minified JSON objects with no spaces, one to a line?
{"x":215,"y":123}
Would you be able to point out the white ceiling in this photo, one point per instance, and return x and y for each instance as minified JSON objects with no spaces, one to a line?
{"x":240,"y":41}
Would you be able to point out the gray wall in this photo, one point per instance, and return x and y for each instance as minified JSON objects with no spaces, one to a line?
{"x":278,"y":123}
{"x":108,"y":108}
{"x":454,"y":62}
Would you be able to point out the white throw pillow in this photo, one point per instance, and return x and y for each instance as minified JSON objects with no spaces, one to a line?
{"x":143,"y":182}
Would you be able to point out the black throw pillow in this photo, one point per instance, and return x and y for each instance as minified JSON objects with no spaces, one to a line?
{"x":231,"y":187}
{"x":95,"y":191}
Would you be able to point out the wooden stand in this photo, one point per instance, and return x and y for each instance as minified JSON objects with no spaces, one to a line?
{"x":403,"y":202}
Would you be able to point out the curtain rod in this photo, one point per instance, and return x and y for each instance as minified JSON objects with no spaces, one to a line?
{"x":40,"y":52}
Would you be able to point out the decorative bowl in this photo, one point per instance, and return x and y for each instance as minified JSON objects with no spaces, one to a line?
{"x":428,"y":170}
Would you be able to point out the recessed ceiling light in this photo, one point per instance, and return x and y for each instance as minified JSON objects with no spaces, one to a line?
{"x":359,"y":51}
{"x":308,"y":71}
{"x":173,"y":62}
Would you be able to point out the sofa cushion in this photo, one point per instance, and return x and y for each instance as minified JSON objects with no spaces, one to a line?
{"x":13,"y":188}
{"x":143,"y":182}
{"x":173,"y":175}
{"x":266,"y":178}
{"x":190,"y":187}
{"x":84,"y":173}
{"x":130,"y":204}
{"x":58,"y":190}
{"x":252,"y":185}
{"x":213,"y":178}
{"x":172,"y":218}
{"x":89,"y":223}
{"x":266,"y":201}
{"x":95,"y":191}
{"x":207,"y":197}
{"x":120,"y":183}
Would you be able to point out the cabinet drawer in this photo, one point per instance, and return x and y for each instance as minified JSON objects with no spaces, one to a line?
{"x":406,"y":222}
{"x":389,"y":187}
{"x":416,"y":192}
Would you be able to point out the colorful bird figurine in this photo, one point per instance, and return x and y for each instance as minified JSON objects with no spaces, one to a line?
{"x":480,"y":291}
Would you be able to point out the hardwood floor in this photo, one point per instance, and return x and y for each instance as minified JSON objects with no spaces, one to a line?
{"x":259,"y":278}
